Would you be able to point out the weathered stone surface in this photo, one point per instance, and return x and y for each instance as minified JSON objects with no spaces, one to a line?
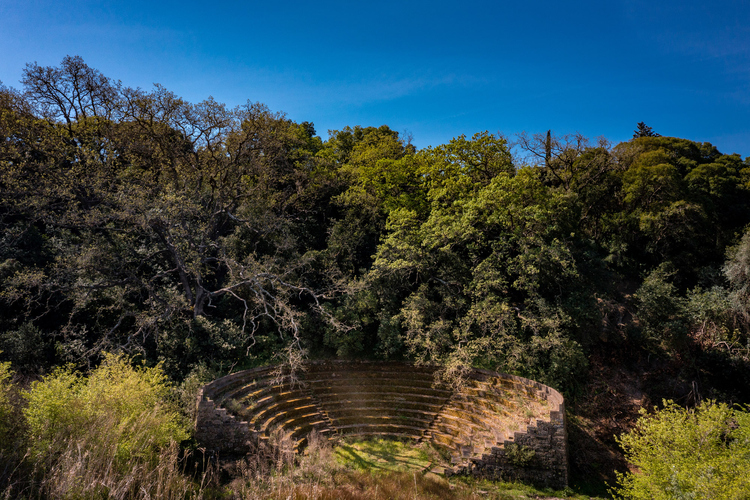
{"x":497,"y":426}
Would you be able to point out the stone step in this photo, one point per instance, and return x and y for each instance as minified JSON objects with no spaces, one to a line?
{"x":294,"y":423}
{"x":481,"y":441}
{"x":393,"y":410}
{"x":376,"y":420}
{"x":339,"y":398}
{"x":460,"y":417}
{"x":372,"y":367}
{"x":487,"y":407}
{"x":304,"y":428}
{"x":408,"y":430}
{"x":238,"y":390}
{"x":367,"y":379}
{"x":269,"y":418}
{"x":275,"y":404}
{"x":358,"y":407}
{"x":459,"y":427}
{"x":261,"y":396}
{"x":480,"y":420}
{"x":393,"y":435}
{"x":404,"y":402}
{"x":230,"y":382}
{"x":388,"y":386}
{"x":442,"y":439}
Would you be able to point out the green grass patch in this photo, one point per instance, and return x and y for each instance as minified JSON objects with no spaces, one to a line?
{"x":384,"y":454}
{"x":374,"y":466}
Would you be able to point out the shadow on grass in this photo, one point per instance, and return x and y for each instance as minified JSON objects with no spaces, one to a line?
{"x":383,"y":454}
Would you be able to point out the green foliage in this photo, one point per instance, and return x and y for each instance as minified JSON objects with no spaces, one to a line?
{"x":487,"y":273}
{"x":116,"y":403}
{"x":217,"y":343}
{"x":381,"y":176}
{"x":519,"y":455}
{"x":700,"y":453}
{"x":710,"y":312}
{"x":127,"y":217}
{"x":661,"y":311}
{"x":644,"y":130}
{"x":457,"y":169}
{"x":730,"y":321}
{"x":25,"y":347}
{"x":737,"y":266}
{"x":7,"y":411}
{"x":187,"y":392}
{"x":719,"y":316}
{"x":674,"y":191}
{"x":132,"y":220}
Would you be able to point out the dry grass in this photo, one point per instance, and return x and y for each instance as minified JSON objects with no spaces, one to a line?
{"x":84,"y":472}
{"x":391,"y":485}
{"x":275,"y":468}
{"x":79,"y":473}
{"x":317,"y":475}
{"x":93,"y":466}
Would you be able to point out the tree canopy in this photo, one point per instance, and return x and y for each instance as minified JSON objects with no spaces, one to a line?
{"x":198,"y":235}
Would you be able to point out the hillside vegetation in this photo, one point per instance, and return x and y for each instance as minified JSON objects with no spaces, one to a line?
{"x":195,"y":239}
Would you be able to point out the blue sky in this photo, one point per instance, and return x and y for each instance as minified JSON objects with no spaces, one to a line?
{"x":435,"y":69}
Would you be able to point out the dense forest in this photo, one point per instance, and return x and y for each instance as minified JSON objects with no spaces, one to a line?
{"x":200,"y":239}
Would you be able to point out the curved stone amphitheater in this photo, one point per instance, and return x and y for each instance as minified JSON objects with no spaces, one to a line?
{"x":495,"y":426}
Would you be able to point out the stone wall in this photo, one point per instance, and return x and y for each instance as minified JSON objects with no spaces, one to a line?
{"x":496,"y":426}
{"x":535,"y":454}
{"x":216,"y":428}
{"x":220,"y":431}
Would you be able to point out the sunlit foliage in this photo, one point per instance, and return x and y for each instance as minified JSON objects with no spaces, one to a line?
{"x":678,"y":453}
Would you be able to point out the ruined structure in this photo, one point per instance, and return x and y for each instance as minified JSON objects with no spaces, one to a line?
{"x":496,"y":426}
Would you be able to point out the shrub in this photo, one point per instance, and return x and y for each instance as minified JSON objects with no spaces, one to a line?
{"x":6,"y":408}
{"x":519,"y":455}
{"x":688,"y":454}
{"x":12,"y":431}
{"x":661,"y":311}
{"x":25,"y":347}
{"x":116,"y":402}
{"x":187,"y":392}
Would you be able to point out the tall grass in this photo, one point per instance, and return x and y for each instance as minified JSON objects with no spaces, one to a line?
{"x":111,"y":435}
{"x":317,"y":475}
{"x":91,"y":471}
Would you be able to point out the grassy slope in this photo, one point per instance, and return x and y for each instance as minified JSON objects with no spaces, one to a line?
{"x":377,"y":470}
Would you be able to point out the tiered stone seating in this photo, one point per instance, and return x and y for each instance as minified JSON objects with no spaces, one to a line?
{"x":367,"y":399}
{"x":475,"y":424}
{"x":485,"y":415}
{"x":270,"y":403}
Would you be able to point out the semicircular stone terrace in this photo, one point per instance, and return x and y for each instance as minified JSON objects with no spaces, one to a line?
{"x":496,"y":426}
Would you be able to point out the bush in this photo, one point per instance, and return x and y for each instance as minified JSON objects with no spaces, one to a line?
{"x":12,"y":431}
{"x":113,"y":434}
{"x":25,"y":348}
{"x":688,"y":454}
{"x":661,"y":311}
{"x":6,"y":408}
{"x":117,"y":404}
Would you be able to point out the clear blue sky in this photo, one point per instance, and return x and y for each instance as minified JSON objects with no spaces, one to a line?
{"x":436,"y":69}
